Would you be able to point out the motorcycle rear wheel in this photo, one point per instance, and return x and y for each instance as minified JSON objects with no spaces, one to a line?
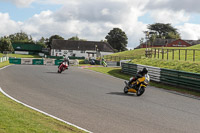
{"x":140,"y":91}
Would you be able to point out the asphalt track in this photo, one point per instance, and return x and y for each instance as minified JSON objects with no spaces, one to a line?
{"x":96,"y":101}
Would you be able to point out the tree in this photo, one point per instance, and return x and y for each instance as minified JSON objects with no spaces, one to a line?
{"x":76,"y":38}
{"x":172,"y":35}
{"x":161,"y":30}
{"x":52,"y":38}
{"x":42,"y":42}
{"x":117,"y":39}
{"x":5,"y":44}
{"x":20,"y":37}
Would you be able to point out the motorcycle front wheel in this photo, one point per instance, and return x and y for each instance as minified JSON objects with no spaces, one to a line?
{"x":140,"y":91}
{"x":125,"y":89}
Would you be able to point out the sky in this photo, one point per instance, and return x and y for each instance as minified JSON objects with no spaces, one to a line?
{"x":93,"y":19}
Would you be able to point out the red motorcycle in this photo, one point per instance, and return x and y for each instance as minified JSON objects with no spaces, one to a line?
{"x":62,"y":67}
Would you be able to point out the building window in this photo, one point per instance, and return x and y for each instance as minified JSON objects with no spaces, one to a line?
{"x":65,"y":52}
{"x":58,"y":50}
{"x":82,"y":51}
{"x":71,"y":51}
{"x":60,"y":53}
{"x":179,"y":42}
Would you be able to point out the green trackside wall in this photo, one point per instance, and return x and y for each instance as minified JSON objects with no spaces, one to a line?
{"x":27,"y":47}
{"x":167,"y":76}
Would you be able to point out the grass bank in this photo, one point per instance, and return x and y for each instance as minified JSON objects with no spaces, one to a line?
{"x":116,"y":72}
{"x":187,"y":66}
{"x":20,"y":56}
{"x":16,"y":118}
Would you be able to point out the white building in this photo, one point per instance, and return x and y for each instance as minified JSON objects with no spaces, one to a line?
{"x":87,"y":49}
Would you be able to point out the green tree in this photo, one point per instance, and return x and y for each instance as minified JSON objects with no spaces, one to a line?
{"x":21,"y":37}
{"x":162,"y":30}
{"x":117,"y":39}
{"x":172,"y":35}
{"x":49,"y":41}
{"x":5,"y":44}
{"x":42,"y":42}
{"x":76,"y":38}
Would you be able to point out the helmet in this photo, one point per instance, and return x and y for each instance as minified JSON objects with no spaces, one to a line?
{"x":145,"y":70}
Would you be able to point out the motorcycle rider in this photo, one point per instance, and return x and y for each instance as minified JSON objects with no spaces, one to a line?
{"x":66,"y":60}
{"x":139,"y":77}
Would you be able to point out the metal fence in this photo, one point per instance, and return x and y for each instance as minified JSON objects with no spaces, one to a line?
{"x":173,"y":77}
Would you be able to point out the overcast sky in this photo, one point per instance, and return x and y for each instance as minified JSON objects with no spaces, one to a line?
{"x":93,"y":19}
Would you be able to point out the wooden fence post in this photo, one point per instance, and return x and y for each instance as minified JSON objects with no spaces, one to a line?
{"x":179,"y":54}
{"x":186,"y":55}
{"x":193,"y":55}
{"x":173,"y":54}
{"x":167,"y":54}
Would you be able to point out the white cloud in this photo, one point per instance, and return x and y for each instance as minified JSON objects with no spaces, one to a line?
{"x":169,"y":16}
{"x":20,"y":3}
{"x":88,"y":20}
{"x":93,"y":20}
{"x":189,"y":31}
{"x":8,"y":26}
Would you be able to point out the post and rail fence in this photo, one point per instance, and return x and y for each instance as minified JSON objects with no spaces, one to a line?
{"x":174,"y":54}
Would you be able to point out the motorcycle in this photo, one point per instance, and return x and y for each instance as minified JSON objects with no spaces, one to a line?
{"x":137,"y":87}
{"x":63,"y":66}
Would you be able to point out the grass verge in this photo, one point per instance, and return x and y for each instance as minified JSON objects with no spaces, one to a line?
{"x":116,"y":72}
{"x":16,"y":118}
{"x":23,"y":56}
{"x":3,"y":64}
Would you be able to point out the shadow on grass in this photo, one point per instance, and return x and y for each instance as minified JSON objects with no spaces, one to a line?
{"x":117,"y":73}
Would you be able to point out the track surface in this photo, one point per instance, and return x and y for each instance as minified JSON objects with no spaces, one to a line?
{"x":96,"y":101}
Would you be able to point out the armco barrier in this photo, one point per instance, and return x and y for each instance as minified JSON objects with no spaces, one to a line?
{"x":168,"y":76}
{"x":38,"y":62}
{"x":180,"y":78}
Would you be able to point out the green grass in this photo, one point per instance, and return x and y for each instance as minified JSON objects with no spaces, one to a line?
{"x":5,"y":63}
{"x":116,"y":72}
{"x":23,"y":56}
{"x":176,"y":65}
{"x":16,"y":118}
{"x":130,"y":54}
{"x":20,"y":56}
{"x":1,"y":55}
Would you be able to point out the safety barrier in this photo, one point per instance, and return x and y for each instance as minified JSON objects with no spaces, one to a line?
{"x":167,"y":76}
{"x":26,"y":61}
{"x":44,"y":61}
{"x":2,"y":59}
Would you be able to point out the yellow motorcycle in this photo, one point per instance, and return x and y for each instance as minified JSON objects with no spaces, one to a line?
{"x":138,"y":86}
